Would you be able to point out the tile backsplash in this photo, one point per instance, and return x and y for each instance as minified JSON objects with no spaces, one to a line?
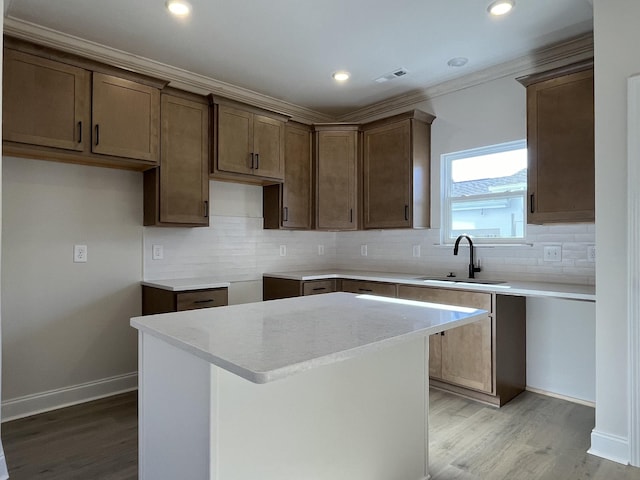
{"x":235,"y":248}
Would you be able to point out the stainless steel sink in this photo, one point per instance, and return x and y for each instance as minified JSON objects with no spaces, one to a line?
{"x":460,"y":280}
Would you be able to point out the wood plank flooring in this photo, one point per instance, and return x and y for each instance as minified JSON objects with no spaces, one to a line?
{"x":532,"y":438}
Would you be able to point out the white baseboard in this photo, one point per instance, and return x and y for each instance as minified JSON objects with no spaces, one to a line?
{"x":28,"y":405}
{"x":562,"y":397}
{"x":611,"y":447}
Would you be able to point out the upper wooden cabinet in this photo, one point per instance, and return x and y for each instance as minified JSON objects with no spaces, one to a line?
{"x":560,"y":142}
{"x":45,"y":102}
{"x":396,"y":171}
{"x":177,"y":192}
{"x":336,"y":176}
{"x":61,"y":107}
{"x":248,"y":143}
{"x":289,"y":205}
{"x":125,"y":118}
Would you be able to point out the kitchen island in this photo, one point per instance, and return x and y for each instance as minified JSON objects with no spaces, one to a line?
{"x":330,"y":386}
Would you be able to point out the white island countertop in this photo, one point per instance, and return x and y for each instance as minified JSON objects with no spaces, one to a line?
{"x":266,"y":341}
{"x":517,"y":288}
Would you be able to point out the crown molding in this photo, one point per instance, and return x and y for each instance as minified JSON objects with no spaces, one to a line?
{"x":177,"y":77}
{"x":557,"y":55}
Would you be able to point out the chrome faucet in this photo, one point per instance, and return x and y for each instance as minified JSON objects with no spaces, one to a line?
{"x":472,"y":268}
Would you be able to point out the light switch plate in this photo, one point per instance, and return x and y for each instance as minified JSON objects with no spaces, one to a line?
{"x":591,"y":253}
{"x":320,"y":249}
{"x":283,"y":250}
{"x":363,"y":250}
{"x":416,"y":250}
{"x":553,"y":254}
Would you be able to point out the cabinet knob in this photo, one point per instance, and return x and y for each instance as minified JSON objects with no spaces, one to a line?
{"x":252,"y":167}
{"x":257,"y":161}
{"x":97,"y":134}
{"x":531,"y":204}
{"x":80,"y":132}
{"x":206,"y":208}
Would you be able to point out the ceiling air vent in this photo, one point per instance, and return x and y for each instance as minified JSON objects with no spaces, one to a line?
{"x":400,"y":72}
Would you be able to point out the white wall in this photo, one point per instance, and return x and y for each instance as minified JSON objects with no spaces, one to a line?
{"x":65,"y":324}
{"x":616,"y":37}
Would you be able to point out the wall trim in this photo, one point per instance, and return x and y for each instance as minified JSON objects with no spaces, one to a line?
{"x":633,"y":272}
{"x":546,"y":58}
{"x":556,"y":55}
{"x":559,"y":396}
{"x":611,"y":447}
{"x":177,"y":77}
{"x":28,"y":405}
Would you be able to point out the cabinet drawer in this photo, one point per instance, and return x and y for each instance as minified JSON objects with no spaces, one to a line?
{"x":372,"y":288}
{"x":460,"y":298}
{"x":201,"y":299}
{"x":318,"y":286}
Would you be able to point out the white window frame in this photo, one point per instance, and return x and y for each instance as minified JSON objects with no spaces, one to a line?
{"x":446,"y":217}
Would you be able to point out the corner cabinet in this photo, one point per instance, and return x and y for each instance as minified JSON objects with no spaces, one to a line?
{"x":289,"y":205}
{"x":336,"y":170}
{"x":248,"y":143}
{"x":560,"y":142}
{"x":177,"y":192}
{"x":65,"y":108}
{"x":396,"y":171}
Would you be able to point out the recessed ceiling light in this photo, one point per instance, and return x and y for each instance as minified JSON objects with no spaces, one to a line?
{"x":500,"y":7}
{"x":458,"y":62}
{"x":180,"y":8}
{"x":341,"y":76}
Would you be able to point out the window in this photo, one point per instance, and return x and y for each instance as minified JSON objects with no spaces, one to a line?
{"x":484,"y":193}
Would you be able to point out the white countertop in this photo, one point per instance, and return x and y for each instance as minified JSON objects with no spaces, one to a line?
{"x":529,"y":289}
{"x":183,"y":284}
{"x":265,"y":341}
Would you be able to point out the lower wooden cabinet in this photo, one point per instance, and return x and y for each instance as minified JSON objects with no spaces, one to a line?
{"x":486,"y":359}
{"x":371,"y":288}
{"x":158,"y":300}
{"x":274,"y":288}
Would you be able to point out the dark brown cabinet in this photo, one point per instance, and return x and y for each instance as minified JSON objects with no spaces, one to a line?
{"x":158,"y":300}
{"x":560,"y":142}
{"x":45,"y":102}
{"x":289,"y":205}
{"x":485,"y":359}
{"x":177,"y":192}
{"x":336,"y":177}
{"x":248,"y":143}
{"x":65,"y":108}
{"x":369,"y":288}
{"x":396,"y":171}
{"x":125,"y":118}
{"x":274,"y":288}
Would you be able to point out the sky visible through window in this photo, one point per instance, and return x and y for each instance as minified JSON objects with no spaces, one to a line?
{"x":494,"y":165}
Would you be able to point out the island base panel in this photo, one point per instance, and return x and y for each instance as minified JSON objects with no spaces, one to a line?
{"x":363,"y":418}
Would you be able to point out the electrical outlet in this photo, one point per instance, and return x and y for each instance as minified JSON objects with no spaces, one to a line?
{"x":320,"y":249}
{"x":157,"y":252}
{"x":283,"y":250}
{"x":79,"y":253}
{"x":363,"y":250}
{"x":591,"y":253}
{"x":553,"y":254}
{"x":416,"y":250}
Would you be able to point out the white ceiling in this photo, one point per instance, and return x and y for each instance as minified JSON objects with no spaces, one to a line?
{"x":288,"y":49}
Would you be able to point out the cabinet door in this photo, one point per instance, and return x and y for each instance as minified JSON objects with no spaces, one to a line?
{"x":466,"y":355}
{"x":463,"y":355}
{"x":184,"y":163}
{"x":370,"y":288}
{"x":126,"y":118}
{"x":235,"y":140}
{"x":316,"y":287}
{"x":336,"y":186}
{"x":560,"y":134}
{"x":387,"y":176}
{"x":44,"y":102}
{"x":296,"y":189}
{"x":268,"y":151}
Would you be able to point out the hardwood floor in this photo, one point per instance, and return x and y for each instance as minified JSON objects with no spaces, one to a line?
{"x":93,"y":441}
{"x":531,"y":438}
